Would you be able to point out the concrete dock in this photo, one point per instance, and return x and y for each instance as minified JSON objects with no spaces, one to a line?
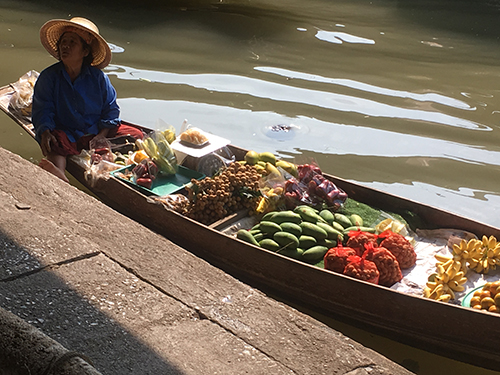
{"x":111,"y":292}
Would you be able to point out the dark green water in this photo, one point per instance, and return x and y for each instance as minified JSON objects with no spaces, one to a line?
{"x":398,"y":95}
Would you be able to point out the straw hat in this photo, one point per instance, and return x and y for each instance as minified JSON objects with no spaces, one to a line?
{"x":52,"y":30}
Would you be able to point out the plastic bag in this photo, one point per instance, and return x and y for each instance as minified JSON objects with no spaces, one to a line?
{"x":312,"y":188}
{"x":272,"y":188}
{"x":167,"y":130}
{"x":175,"y":202}
{"x":22,"y":97}
{"x":145,"y":173}
{"x":159,"y":150}
{"x":100,"y":149}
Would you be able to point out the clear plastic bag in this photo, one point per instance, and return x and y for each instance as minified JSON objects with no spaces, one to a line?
{"x":158,"y":149}
{"x":22,"y":98}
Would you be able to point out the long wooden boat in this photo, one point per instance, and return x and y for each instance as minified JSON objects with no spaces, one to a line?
{"x":446,"y":329}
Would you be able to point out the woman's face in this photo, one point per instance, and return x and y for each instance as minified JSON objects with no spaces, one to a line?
{"x":71,"y":50}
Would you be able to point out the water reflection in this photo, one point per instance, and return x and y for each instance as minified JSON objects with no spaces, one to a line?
{"x":258,"y":88}
{"x":337,"y":37}
{"x":426,"y":97}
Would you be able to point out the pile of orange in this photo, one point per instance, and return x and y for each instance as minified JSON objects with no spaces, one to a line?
{"x":487,"y":298}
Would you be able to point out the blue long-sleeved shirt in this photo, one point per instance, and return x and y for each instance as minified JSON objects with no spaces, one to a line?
{"x":83,"y":107}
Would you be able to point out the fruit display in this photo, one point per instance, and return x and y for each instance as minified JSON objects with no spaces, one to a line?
{"x":213,"y":198}
{"x":362,"y":269}
{"x":145,"y":173}
{"x":386,"y":262}
{"x":312,"y":188}
{"x":448,"y":279}
{"x":483,"y":255}
{"x":476,"y":255}
{"x":487,"y":297}
{"x":317,"y":237}
{"x":300,"y":233}
{"x":363,"y":248}
{"x":336,"y":258}
{"x":359,"y":239}
{"x":158,"y":149}
{"x":260,"y":161}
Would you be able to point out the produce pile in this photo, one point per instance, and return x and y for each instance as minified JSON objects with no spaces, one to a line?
{"x":487,"y":297}
{"x":303,"y":215}
{"x":474,"y":255}
{"x":334,"y":241}
{"x":234,"y":188}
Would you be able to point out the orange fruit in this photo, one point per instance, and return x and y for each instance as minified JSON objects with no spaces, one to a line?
{"x":476,"y":300}
{"x":487,"y":302}
{"x":494,"y":286}
{"x":485,"y":294}
{"x":494,"y":308}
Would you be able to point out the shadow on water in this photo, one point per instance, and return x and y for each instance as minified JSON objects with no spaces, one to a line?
{"x":478,"y":18}
{"x":36,"y":294}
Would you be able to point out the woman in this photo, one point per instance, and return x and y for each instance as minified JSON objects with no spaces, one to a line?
{"x":74,"y":101}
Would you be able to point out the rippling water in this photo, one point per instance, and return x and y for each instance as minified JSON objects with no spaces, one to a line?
{"x":402,"y":96}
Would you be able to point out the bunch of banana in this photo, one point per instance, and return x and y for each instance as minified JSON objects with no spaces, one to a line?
{"x":485,"y":255}
{"x":265,"y":160}
{"x":269,"y":200}
{"x":448,"y":279}
{"x":462,"y":252}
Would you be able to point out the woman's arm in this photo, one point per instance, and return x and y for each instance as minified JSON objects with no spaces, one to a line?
{"x":43,"y":107}
{"x":110,"y":114}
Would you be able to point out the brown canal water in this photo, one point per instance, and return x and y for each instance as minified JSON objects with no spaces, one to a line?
{"x":402,"y":96}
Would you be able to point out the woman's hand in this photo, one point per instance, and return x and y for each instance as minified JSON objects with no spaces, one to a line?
{"x":47,"y":139}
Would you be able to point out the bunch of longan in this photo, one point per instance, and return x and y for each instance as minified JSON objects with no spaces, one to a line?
{"x":213,"y":198}
{"x":487,"y":298}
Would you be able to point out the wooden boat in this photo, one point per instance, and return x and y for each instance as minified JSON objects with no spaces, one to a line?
{"x":446,"y":329}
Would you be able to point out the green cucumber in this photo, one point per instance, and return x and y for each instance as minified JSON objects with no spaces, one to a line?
{"x":313,"y":230}
{"x":286,"y":216}
{"x":342,"y":220}
{"x":269,"y":244}
{"x":260,"y":236}
{"x":327,"y":215}
{"x":292,"y":253}
{"x":246,"y":236}
{"x":269,"y":227}
{"x":328,"y":243}
{"x":362,"y":229}
{"x":356,"y":220}
{"x":309,"y":215}
{"x":315,"y":253}
{"x":305,"y":242}
{"x":337,"y":226}
{"x":285,"y":239}
{"x":292,"y":228}
{"x":333,"y":234}
{"x":269,"y":215}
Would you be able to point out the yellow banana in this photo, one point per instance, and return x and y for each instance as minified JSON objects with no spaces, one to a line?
{"x":442,"y":258}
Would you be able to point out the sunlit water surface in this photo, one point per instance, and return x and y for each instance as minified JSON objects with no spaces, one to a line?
{"x":399,"y":96}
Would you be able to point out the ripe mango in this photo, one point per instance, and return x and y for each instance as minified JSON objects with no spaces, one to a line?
{"x":252,"y":157}
{"x":267,"y":157}
{"x":272,"y":170}
{"x":289,"y":167}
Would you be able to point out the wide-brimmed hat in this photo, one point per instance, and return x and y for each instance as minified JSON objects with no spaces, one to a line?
{"x":52,"y":30}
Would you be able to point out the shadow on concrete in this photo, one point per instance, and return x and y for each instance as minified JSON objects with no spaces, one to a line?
{"x":36,"y":294}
